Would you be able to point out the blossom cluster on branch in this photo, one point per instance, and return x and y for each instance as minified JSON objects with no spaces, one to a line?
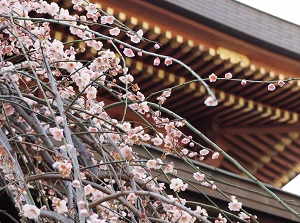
{"x":64,"y":156}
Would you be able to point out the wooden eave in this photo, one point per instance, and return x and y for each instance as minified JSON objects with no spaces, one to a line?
{"x":258,"y":128}
{"x":253,"y":108}
{"x":164,"y":18}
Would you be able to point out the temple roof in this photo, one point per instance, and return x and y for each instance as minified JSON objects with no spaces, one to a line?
{"x":257,"y":127}
{"x":260,"y":129}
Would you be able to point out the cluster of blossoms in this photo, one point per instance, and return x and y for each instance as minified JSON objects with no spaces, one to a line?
{"x":64,"y":167}
{"x":174,"y":214}
{"x":202,"y":153}
{"x":6,"y":168}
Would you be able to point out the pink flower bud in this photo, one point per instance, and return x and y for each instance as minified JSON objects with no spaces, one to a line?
{"x":228,"y":75}
{"x":168,"y":61}
{"x":215,"y":155}
{"x":185,"y":140}
{"x":156,"y":46}
{"x":271,"y":87}
{"x":139,"y":53}
{"x":243,"y":82}
{"x":156,"y":62}
{"x":281,"y":83}
{"x":128,"y":52}
{"x":204,"y":152}
{"x":210,"y":101}
{"x":212,"y":77}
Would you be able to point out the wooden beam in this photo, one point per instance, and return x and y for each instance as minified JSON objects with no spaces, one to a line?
{"x":257,"y":130}
{"x":245,"y":147}
{"x":237,"y":118}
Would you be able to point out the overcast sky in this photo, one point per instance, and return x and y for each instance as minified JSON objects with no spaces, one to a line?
{"x":285,"y":9}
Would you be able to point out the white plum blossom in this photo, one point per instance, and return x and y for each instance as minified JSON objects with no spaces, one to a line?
{"x":91,"y":8}
{"x":115,"y":31}
{"x":31,"y":211}
{"x":127,"y":78}
{"x":177,"y":185}
{"x":107,"y":19}
{"x":64,"y":167}
{"x":198,"y":176}
{"x":234,"y":205}
{"x":151,"y":164}
{"x":201,"y":211}
{"x":157,"y":140}
{"x":220,"y":219}
{"x":136,"y":38}
{"x":243,"y":215}
{"x":57,"y":133}
{"x":154,"y":164}
{"x":60,"y":206}
{"x":84,"y":212}
{"x":88,"y":189}
{"x":57,"y":46}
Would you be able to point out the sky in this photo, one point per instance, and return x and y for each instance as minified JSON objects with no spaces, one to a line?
{"x":293,"y":186}
{"x":287,"y":10}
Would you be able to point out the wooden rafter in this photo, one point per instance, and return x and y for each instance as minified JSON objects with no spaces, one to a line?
{"x":260,"y":129}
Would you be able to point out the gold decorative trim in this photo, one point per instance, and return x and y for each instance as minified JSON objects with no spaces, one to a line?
{"x":233,"y":57}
